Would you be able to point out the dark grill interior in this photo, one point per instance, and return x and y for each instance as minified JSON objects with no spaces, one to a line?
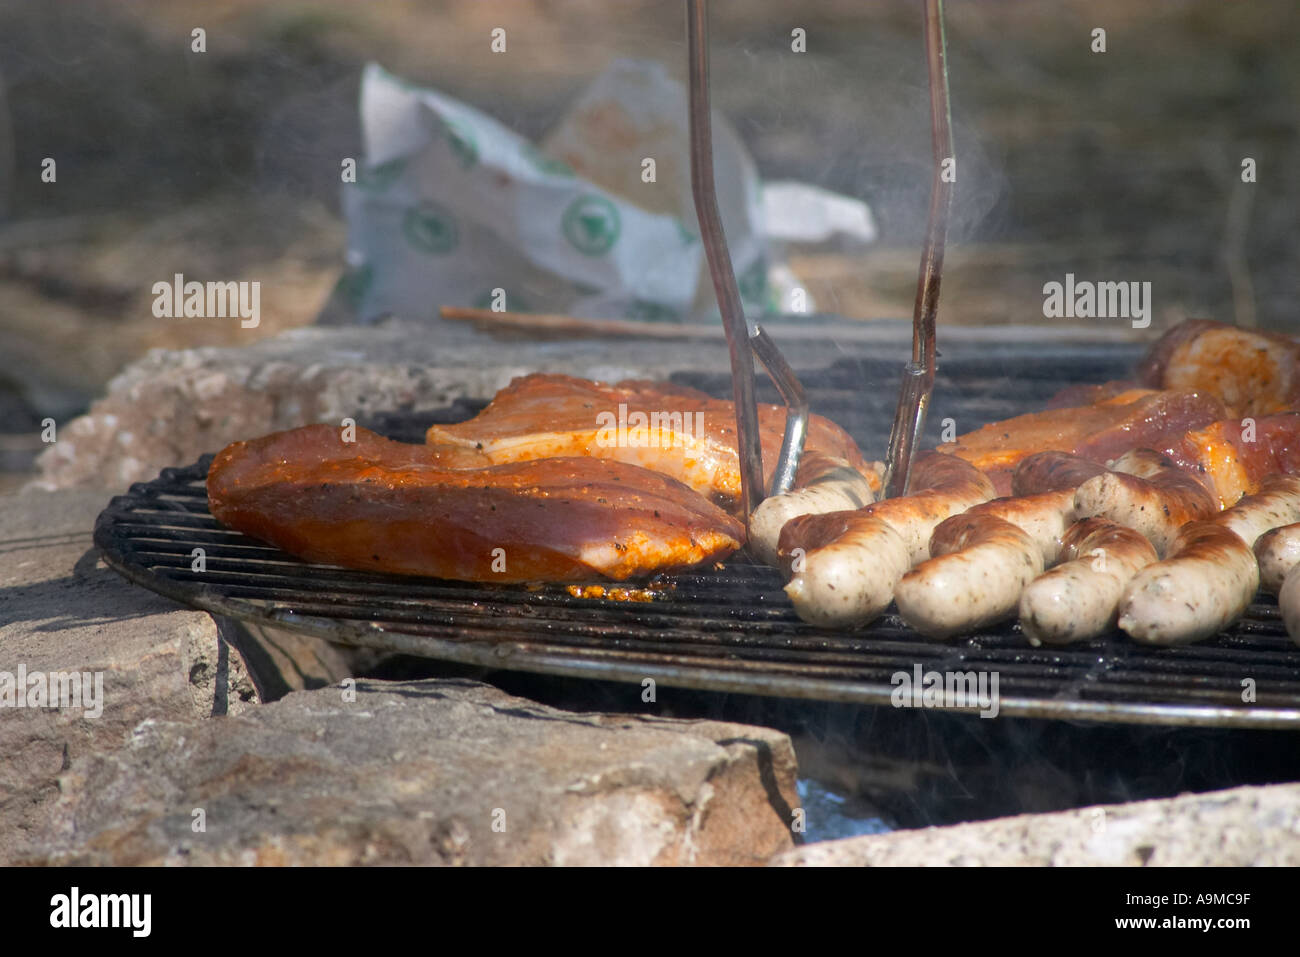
{"x":731,"y":630}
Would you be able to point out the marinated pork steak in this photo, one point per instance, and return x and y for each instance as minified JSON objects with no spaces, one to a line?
{"x":1233,"y":456}
{"x":387,"y":506}
{"x":1138,"y":418}
{"x":671,"y":429}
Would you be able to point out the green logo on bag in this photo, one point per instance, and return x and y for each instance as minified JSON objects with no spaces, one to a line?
{"x":430,"y":228}
{"x":355,"y":283}
{"x":461,"y":140}
{"x":591,"y":224}
{"x":376,"y":179}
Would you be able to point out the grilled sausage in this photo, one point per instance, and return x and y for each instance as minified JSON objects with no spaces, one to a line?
{"x":1206,"y":583}
{"x":848,"y":578}
{"x":982,"y":563}
{"x":1267,"y":520}
{"x":979,"y":566}
{"x":1277,"y":552}
{"x":1147,"y":493}
{"x":1288,"y":602}
{"x":1079,"y":599}
{"x":1043,"y":517}
{"x":1277,"y":503}
{"x":843,"y":566}
{"x":1211,"y":597}
{"x":824,"y":484}
{"x":942,"y":486}
{"x":1052,"y":472}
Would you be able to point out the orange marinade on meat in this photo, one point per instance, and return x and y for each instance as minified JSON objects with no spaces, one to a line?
{"x":1252,"y":372}
{"x":543,"y":415}
{"x":1233,"y":456}
{"x":380,"y":505}
{"x":1136,"y":418}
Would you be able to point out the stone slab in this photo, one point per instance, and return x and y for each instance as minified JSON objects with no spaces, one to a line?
{"x":1241,"y":827}
{"x":61,"y":610}
{"x":444,"y":771}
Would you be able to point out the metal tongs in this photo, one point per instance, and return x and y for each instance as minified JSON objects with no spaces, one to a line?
{"x":918,"y":376}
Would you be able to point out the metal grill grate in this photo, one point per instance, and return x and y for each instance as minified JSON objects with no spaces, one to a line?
{"x":730,"y":630}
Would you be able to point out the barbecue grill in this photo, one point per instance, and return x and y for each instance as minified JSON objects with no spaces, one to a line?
{"x":730,"y":629}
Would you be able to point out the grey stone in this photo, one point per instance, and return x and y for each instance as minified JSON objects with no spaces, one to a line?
{"x":428,"y":772}
{"x":1248,"y":826}
{"x":61,"y":610}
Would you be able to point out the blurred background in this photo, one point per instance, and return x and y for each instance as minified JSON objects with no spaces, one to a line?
{"x":1121,"y":166}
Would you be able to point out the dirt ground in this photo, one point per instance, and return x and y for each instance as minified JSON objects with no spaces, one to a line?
{"x":1121,"y":165}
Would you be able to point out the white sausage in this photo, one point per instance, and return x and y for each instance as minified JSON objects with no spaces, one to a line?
{"x":1288,"y":603}
{"x":982,"y":563}
{"x":1207,"y":582}
{"x":850,"y":580}
{"x":1277,"y":503}
{"x":833,"y":485}
{"x":1043,"y":517}
{"x":1079,"y":599}
{"x":1156,"y":503}
{"x":844,"y":565}
{"x":1277,"y":551}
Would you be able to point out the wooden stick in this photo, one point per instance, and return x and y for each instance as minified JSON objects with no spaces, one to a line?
{"x":572,"y":325}
{"x":555,"y":326}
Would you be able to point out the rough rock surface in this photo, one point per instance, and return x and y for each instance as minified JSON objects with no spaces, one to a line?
{"x":429,"y":772}
{"x":1236,"y":828}
{"x":399,"y":773}
{"x":62,"y":611}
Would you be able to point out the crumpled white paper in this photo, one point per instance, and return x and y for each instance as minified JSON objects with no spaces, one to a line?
{"x":452,"y":208}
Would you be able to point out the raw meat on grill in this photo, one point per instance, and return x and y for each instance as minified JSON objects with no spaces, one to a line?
{"x":1099,"y":432}
{"x":1251,"y":372}
{"x":389,"y":506}
{"x":562,"y":479}
{"x":1233,"y":456}
{"x":671,"y":429}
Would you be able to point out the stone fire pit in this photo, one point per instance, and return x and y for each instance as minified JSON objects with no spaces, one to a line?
{"x":217,"y":745}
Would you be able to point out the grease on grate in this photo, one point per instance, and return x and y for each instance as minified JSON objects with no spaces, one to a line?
{"x":619,"y":592}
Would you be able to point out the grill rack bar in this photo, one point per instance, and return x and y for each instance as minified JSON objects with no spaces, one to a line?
{"x":731,"y":630}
